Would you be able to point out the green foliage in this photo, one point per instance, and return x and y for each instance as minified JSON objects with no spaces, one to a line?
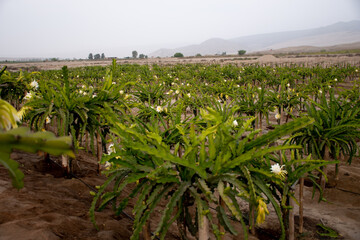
{"x":134,"y":54}
{"x":326,"y":231}
{"x":184,"y":170}
{"x":241,"y":52}
{"x":179,"y":55}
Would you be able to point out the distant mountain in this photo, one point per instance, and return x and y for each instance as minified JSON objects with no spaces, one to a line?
{"x":335,"y":34}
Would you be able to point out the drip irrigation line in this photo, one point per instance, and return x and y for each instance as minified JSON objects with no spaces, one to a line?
{"x":96,"y":191}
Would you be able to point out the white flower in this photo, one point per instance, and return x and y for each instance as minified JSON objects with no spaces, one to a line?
{"x":356,"y":70}
{"x":189,"y":95}
{"x":188,"y":84}
{"x":172,"y":84}
{"x":288,"y":84}
{"x":94,"y":95}
{"x":47,"y":120}
{"x":277,"y":116}
{"x":329,"y":86}
{"x":83,"y":86}
{"x":28,"y":96}
{"x":107,"y":165}
{"x":34,"y":85}
{"x":278,"y":170}
{"x":77,"y":76}
{"x":335,"y":79}
{"x":235,"y":123}
{"x":121,"y":92}
{"x":113,"y":83}
{"x":170,"y":92}
{"x":111,"y":148}
{"x":206,"y":84}
{"x":177,"y":91}
{"x":320,"y":91}
{"x":259,"y":88}
{"x":238,"y":85}
{"x":224,"y":80}
{"x":159,"y":109}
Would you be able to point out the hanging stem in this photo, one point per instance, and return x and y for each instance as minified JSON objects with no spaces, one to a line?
{"x":99,"y":149}
{"x":326,"y":157}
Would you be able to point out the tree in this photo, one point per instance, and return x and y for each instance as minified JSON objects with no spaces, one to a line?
{"x":241,"y":52}
{"x":97,"y":56}
{"x":141,"y":56}
{"x":178,"y":54}
{"x":134,"y":54}
{"x":102,"y":56}
{"x":91,"y":56}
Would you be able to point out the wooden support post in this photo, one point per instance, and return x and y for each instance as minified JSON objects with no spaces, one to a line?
{"x":204,"y":229}
{"x":301,"y":206}
{"x":291,"y":233}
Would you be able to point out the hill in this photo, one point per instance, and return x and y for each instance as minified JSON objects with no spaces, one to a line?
{"x":335,"y":34}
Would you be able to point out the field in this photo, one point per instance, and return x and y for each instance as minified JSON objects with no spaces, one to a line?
{"x":182,"y":151}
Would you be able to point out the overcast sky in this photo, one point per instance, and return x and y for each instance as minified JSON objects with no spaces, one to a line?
{"x":74,"y":28}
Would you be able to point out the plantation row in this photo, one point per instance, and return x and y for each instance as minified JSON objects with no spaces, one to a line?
{"x":202,"y":137}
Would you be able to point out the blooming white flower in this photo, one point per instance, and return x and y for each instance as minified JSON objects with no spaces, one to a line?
{"x":28,"y":96}
{"x":34,"y":85}
{"x":235,"y":123}
{"x":121,"y":92}
{"x":94,"y":95}
{"x":83,"y":86}
{"x":238,"y":85}
{"x":107,"y":165}
{"x":111,"y":148}
{"x":206,"y":84}
{"x":335,"y":79}
{"x":224,"y":80}
{"x":278,"y":170}
{"x":320,"y":91}
{"x":259,"y":88}
{"x":288,"y":84}
{"x":47,"y":120}
{"x":277,"y":116}
{"x":113,"y":83}
{"x":356,"y":70}
{"x":159,"y":109}
{"x":170,"y":92}
{"x":188,"y":84}
{"x":77,"y":76}
{"x":329,"y":86}
{"x":189,"y":95}
{"x":177,"y":91}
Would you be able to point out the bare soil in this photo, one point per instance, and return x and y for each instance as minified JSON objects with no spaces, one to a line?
{"x":308,"y":60}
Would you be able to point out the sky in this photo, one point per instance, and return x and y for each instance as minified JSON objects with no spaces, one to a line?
{"x":75,"y":28}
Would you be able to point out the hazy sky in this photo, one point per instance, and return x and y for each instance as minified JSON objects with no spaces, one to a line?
{"x":74,"y":28}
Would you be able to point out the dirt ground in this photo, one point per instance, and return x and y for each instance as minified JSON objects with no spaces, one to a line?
{"x":322,"y":60}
